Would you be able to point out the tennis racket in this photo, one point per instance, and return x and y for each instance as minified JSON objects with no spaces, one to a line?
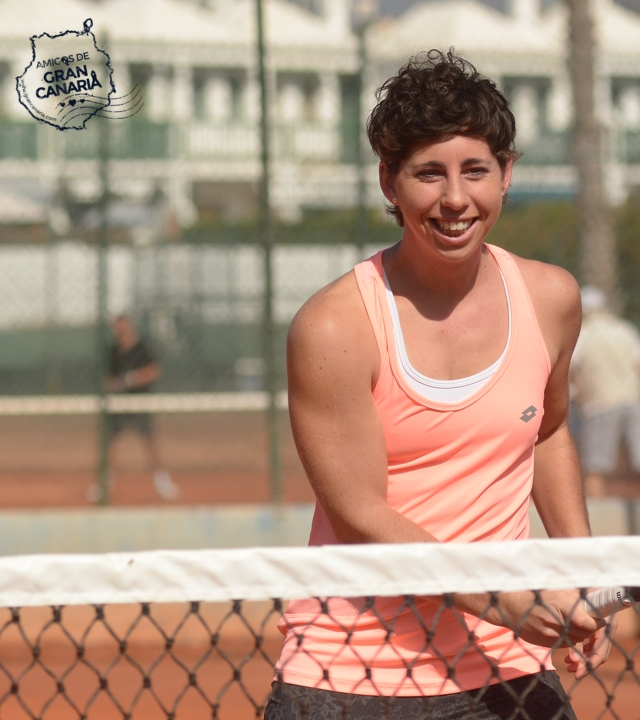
{"x":604,"y":601}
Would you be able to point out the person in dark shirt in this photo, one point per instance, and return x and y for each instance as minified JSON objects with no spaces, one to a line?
{"x":132,"y":369}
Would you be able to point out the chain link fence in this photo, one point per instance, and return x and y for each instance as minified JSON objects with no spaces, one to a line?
{"x":216,"y":660}
{"x":179,"y":234}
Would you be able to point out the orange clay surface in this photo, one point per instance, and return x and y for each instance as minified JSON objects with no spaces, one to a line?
{"x":214,"y":457}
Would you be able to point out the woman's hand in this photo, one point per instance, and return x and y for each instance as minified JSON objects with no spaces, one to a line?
{"x":114,"y":385}
{"x":557,"y":619}
{"x":596,"y":650}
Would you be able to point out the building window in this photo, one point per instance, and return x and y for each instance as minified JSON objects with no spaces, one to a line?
{"x":297,"y":97}
{"x":218,"y":93}
{"x":626,"y":102}
{"x":529,"y":98}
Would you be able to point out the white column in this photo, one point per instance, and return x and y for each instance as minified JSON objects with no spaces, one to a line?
{"x":10,"y":104}
{"x":327,"y":100}
{"x":218,"y":98}
{"x":525,"y":10}
{"x":157,"y":101}
{"x":604,"y":109}
{"x":615,"y":183}
{"x":121,"y":79}
{"x":337,"y":15}
{"x":182,"y":96}
{"x":525,"y":108}
{"x":181,"y":196}
{"x":559,"y":104}
{"x":629,"y":107}
{"x":291,"y":102}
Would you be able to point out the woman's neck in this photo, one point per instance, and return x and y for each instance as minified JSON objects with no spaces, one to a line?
{"x":432,"y":279}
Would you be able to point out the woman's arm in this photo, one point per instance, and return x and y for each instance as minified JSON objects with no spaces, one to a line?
{"x":558,"y":490}
{"x":557,"y":483}
{"x":332,"y":363}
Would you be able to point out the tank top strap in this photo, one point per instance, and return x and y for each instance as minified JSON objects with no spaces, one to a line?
{"x":524,"y":314}
{"x":369,"y":277}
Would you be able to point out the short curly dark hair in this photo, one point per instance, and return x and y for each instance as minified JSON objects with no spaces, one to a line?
{"x":433,"y":96}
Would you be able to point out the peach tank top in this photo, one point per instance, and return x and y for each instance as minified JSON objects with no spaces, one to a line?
{"x":462,"y":471}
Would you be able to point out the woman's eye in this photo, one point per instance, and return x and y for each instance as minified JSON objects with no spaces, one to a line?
{"x":477,"y":172}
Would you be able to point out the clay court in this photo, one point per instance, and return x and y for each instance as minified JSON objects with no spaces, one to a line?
{"x":49,"y":461}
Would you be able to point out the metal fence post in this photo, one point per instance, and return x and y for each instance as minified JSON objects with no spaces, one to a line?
{"x":265,"y":228}
{"x":53,"y":384}
{"x":361,"y":212}
{"x":364,"y":13}
{"x":102,"y":340}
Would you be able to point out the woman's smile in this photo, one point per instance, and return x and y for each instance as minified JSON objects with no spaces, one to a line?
{"x":460,"y":229}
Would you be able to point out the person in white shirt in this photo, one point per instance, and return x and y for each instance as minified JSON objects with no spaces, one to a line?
{"x":605,"y":370}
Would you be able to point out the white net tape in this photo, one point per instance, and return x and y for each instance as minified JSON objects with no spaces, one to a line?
{"x":336,"y":571}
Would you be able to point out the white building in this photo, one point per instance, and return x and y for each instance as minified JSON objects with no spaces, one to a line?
{"x":196,"y":140}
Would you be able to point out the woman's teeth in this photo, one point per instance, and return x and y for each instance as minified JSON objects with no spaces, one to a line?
{"x":459,"y":226}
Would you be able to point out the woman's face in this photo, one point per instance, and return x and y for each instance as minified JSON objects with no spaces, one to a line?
{"x":450,"y":193}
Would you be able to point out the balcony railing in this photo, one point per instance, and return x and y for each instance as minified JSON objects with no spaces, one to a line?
{"x":218,"y":141}
{"x":135,"y":140}
{"x":547,"y":149}
{"x":309,"y":142}
{"x":198,"y":140}
{"x":303,"y":142}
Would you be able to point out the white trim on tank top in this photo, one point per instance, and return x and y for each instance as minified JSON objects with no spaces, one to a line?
{"x":444,"y":391}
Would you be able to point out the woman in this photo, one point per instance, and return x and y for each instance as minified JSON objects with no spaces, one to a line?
{"x":419,"y":385}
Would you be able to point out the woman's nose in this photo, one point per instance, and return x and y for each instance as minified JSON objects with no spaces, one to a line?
{"x":455,"y":194}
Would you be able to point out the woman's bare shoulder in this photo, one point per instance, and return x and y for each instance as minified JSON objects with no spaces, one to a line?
{"x":334,"y":322}
{"x":332,"y":308}
{"x":550,"y":286}
{"x":555,"y":296}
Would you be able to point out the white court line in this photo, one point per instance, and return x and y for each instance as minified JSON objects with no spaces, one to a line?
{"x":139,"y":403}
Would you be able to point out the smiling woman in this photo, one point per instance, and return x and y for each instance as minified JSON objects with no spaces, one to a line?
{"x":428,"y":396}
{"x":451,"y":98}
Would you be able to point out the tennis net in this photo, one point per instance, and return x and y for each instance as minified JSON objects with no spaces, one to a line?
{"x":194,"y":634}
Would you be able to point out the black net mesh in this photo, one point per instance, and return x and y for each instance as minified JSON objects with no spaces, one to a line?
{"x":216,"y":660}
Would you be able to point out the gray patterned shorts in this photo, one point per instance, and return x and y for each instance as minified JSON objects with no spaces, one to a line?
{"x":532,"y":697}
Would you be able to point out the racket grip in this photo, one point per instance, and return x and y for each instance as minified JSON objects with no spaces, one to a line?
{"x":603,"y":601}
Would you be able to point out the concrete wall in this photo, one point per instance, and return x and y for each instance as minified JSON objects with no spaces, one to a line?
{"x":126,"y":529}
{"x":608,"y":516}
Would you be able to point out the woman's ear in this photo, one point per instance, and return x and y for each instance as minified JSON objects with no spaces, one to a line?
{"x":387,"y":183}
{"x":507,"y":172}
